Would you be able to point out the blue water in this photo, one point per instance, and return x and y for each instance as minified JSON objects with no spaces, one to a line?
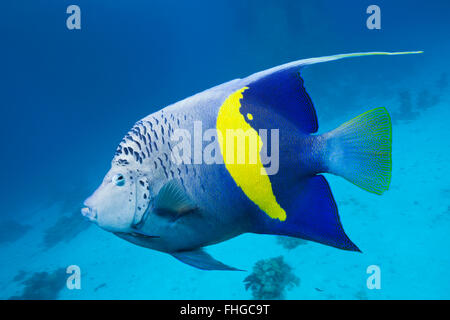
{"x":69,"y":96}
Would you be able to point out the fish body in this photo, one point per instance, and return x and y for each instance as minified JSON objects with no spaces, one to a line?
{"x":154,"y":200}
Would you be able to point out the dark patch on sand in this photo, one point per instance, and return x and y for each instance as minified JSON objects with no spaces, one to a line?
{"x":65,"y":229}
{"x":406,"y":111}
{"x":11,"y":231}
{"x":19,"y":276}
{"x":361,"y":295}
{"x":412,"y":104}
{"x":290,"y":242}
{"x":43,"y":285}
{"x":100,"y":286}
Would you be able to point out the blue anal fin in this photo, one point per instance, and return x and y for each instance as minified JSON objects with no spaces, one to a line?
{"x":201,"y":260}
{"x":313,"y":215}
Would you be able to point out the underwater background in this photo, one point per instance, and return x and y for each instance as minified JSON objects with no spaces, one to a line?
{"x":69,"y":96}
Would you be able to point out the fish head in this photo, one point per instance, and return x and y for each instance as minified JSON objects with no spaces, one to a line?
{"x":119,"y":202}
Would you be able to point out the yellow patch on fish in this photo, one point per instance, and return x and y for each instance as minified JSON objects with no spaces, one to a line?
{"x":248,"y":171}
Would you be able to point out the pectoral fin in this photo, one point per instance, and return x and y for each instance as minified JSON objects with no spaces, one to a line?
{"x":172,"y":198}
{"x":137,"y":234}
{"x":140,"y":234}
{"x":201,"y":260}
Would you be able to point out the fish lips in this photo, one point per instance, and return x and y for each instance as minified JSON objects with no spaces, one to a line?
{"x":89,"y":213}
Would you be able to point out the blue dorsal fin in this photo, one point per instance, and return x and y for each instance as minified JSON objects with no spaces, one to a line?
{"x":313,"y":215}
{"x":281,"y":89}
{"x":284,"y":93}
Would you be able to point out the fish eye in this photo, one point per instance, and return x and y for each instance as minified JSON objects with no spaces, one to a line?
{"x":119,"y":179}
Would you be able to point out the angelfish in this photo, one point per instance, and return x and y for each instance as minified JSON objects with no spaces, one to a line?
{"x":151,"y":200}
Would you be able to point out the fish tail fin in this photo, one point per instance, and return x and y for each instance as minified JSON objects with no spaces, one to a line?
{"x":360,"y":151}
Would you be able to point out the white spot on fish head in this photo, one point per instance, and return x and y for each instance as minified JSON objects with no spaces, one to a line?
{"x":143,"y":197}
{"x":113,"y":205}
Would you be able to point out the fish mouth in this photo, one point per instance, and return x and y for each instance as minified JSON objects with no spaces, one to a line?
{"x":89,"y":213}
